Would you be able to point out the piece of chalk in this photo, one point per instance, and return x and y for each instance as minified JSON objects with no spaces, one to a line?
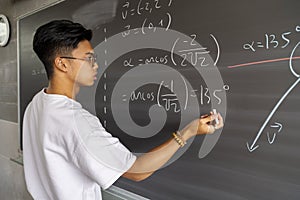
{"x":216,"y":120}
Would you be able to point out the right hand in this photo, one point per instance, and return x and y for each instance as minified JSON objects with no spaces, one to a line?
{"x":203,"y":125}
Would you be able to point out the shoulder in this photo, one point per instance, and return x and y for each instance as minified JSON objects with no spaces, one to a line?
{"x":83,"y":118}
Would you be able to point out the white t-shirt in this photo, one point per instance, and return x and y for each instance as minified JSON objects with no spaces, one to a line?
{"x":67,"y":153}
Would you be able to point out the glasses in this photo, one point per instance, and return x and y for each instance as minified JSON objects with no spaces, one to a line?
{"x":92,"y":59}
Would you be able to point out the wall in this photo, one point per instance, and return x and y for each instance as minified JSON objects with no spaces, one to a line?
{"x":12,"y":183}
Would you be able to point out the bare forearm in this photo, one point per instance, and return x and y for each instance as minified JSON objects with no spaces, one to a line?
{"x":148,"y":163}
{"x":156,"y":158}
{"x":151,"y":161}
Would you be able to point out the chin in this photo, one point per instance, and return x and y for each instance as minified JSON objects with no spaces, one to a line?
{"x":87,"y":84}
{"x":91,"y":83}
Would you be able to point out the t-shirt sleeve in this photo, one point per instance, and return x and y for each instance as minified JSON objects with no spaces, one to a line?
{"x":99,"y":155}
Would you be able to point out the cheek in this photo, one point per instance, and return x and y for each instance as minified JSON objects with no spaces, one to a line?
{"x":84,"y":75}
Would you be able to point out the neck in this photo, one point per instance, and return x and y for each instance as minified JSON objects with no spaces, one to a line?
{"x":62,"y":87}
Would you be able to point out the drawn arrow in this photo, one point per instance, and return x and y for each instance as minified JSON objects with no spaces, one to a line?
{"x":253,"y":146}
{"x":251,"y":149}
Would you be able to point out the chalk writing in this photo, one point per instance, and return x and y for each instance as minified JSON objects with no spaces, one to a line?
{"x":254,"y":144}
{"x":169,"y":100}
{"x":36,"y":72}
{"x":271,"y":41}
{"x":278,"y":126}
{"x":143,"y":11}
{"x":148,"y":25}
{"x":129,"y":9}
{"x":105,"y":84}
{"x":192,"y":53}
{"x":148,"y":60}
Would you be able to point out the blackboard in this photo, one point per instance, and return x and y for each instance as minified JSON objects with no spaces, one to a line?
{"x":163,"y":63}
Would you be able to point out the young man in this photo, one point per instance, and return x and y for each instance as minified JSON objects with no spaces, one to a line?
{"x":67,"y":152}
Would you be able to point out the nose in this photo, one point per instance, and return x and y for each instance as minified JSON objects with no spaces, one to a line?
{"x":96,"y":66}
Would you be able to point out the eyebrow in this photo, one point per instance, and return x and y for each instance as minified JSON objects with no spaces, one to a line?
{"x":90,"y":53}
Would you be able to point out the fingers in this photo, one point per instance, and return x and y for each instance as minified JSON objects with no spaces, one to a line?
{"x":206,"y":124}
{"x":211,"y":129}
{"x":208,"y":118}
{"x":210,"y":122}
{"x":204,"y":116}
{"x":221,"y":123}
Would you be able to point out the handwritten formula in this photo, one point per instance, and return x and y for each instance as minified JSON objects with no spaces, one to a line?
{"x":169,"y":99}
{"x":271,"y":41}
{"x":144,"y":10}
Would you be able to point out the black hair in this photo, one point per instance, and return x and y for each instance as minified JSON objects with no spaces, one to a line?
{"x":58,"y":37}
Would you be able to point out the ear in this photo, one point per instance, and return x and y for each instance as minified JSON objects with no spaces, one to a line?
{"x":60,"y":64}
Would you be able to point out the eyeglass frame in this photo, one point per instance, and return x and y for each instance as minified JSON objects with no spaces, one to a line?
{"x":92,"y":59}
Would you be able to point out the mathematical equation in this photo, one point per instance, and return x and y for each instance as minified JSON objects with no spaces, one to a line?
{"x":271,"y":41}
{"x":147,"y":24}
{"x":189,"y":51}
{"x":36,"y":72}
{"x":164,"y":59}
{"x":169,"y":100}
{"x":129,"y":9}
